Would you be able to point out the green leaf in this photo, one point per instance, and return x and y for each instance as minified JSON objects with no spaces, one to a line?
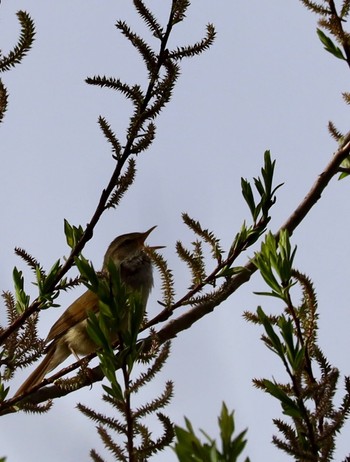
{"x":45,"y":286}
{"x":345,"y":164}
{"x":294,"y":353}
{"x":95,"y":331}
{"x":88,"y":272}
{"x":73,"y":234}
{"x":248,"y":195}
{"x":277,"y":346}
{"x":227,"y":427}
{"x":259,"y":186}
{"x":275,"y":263}
{"x":189,"y":448}
{"x":68,"y":231}
{"x":288,"y":405}
{"x":330,"y":46}
{"x":22,"y":299}
{"x":3,"y":393}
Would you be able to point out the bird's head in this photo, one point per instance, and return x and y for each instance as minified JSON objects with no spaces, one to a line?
{"x":126,"y":247}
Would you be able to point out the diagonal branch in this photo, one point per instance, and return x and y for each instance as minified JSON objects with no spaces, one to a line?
{"x":198,"y":311}
{"x":184,"y":321}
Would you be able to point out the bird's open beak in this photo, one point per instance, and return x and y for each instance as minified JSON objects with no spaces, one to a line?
{"x":145,"y":235}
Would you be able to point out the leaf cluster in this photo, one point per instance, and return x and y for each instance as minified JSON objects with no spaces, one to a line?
{"x":307,"y":399}
{"x":210,"y":287}
{"x":117,"y":324}
{"x":246,"y":237}
{"x":189,"y":447}
{"x":275,"y":263}
{"x":24,"y":346}
{"x":259,"y":208}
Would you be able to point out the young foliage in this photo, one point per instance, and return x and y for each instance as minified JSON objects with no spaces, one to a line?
{"x":275,"y":262}
{"x":73,"y":234}
{"x":264,"y":188}
{"x":117,"y":325}
{"x":224,"y":272}
{"x":188,"y":447}
{"x":195,"y":259}
{"x":330,"y":46}
{"x":308,"y":398}
{"x":22,"y":299}
{"x":259,"y":209}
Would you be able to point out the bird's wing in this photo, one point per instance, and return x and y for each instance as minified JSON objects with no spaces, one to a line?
{"x":75,"y":313}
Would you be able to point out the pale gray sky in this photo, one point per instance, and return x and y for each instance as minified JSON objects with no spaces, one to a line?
{"x":265,"y":84}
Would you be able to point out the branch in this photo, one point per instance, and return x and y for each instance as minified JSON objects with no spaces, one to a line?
{"x":318,"y":187}
{"x":228,"y":288}
{"x":185,"y":321}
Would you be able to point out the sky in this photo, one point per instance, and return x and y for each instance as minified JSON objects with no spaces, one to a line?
{"x":266,"y":83}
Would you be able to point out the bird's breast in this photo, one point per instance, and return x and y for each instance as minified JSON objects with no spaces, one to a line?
{"x":78,"y":340}
{"x":137,"y":273}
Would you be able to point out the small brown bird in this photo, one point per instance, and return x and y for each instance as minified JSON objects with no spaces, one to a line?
{"x":68,"y":335}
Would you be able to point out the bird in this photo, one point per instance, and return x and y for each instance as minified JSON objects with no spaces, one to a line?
{"x":69,"y":335}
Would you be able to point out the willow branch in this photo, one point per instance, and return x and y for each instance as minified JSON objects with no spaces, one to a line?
{"x":198,"y":311}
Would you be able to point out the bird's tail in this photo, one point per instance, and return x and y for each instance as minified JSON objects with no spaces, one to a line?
{"x":50,"y":361}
